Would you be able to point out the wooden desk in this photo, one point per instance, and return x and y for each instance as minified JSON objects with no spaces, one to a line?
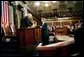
{"x":57,"y":49}
{"x":61,"y":31}
{"x":66,"y":40}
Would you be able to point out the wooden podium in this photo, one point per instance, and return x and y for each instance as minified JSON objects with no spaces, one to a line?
{"x":28,"y":36}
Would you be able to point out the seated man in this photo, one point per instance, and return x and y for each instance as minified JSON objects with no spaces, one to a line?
{"x":78,"y":35}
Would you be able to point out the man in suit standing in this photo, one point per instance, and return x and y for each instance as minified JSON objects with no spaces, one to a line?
{"x":45,"y":32}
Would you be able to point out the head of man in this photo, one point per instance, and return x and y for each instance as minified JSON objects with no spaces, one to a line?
{"x":43,"y":20}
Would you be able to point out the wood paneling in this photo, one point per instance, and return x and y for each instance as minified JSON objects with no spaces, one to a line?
{"x":28,"y":37}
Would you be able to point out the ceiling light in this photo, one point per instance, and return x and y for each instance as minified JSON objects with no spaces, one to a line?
{"x":37,"y":3}
{"x":46,"y":5}
{"x":45,"y":1}
{"x":54,"y":1}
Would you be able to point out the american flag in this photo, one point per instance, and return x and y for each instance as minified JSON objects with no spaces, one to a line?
{"x":5,"y":13}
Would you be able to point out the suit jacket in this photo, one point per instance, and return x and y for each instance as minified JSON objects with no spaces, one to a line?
{"x":45,"y":34}
{"x":78,"y":36}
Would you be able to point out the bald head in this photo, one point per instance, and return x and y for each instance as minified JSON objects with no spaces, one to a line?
{"x":30,"y":15}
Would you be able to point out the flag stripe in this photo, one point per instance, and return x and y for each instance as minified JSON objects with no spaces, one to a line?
{"x":5,"y":14}
{"x":2,"y":13}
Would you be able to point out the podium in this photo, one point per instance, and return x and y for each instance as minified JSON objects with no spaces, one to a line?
{"x":28,"y":36}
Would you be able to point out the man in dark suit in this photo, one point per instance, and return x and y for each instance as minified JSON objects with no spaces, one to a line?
{"x":45,"y":32}
{"x":78,"y":36}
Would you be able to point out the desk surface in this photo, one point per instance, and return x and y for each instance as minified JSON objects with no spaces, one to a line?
{"x":66,"y":40}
